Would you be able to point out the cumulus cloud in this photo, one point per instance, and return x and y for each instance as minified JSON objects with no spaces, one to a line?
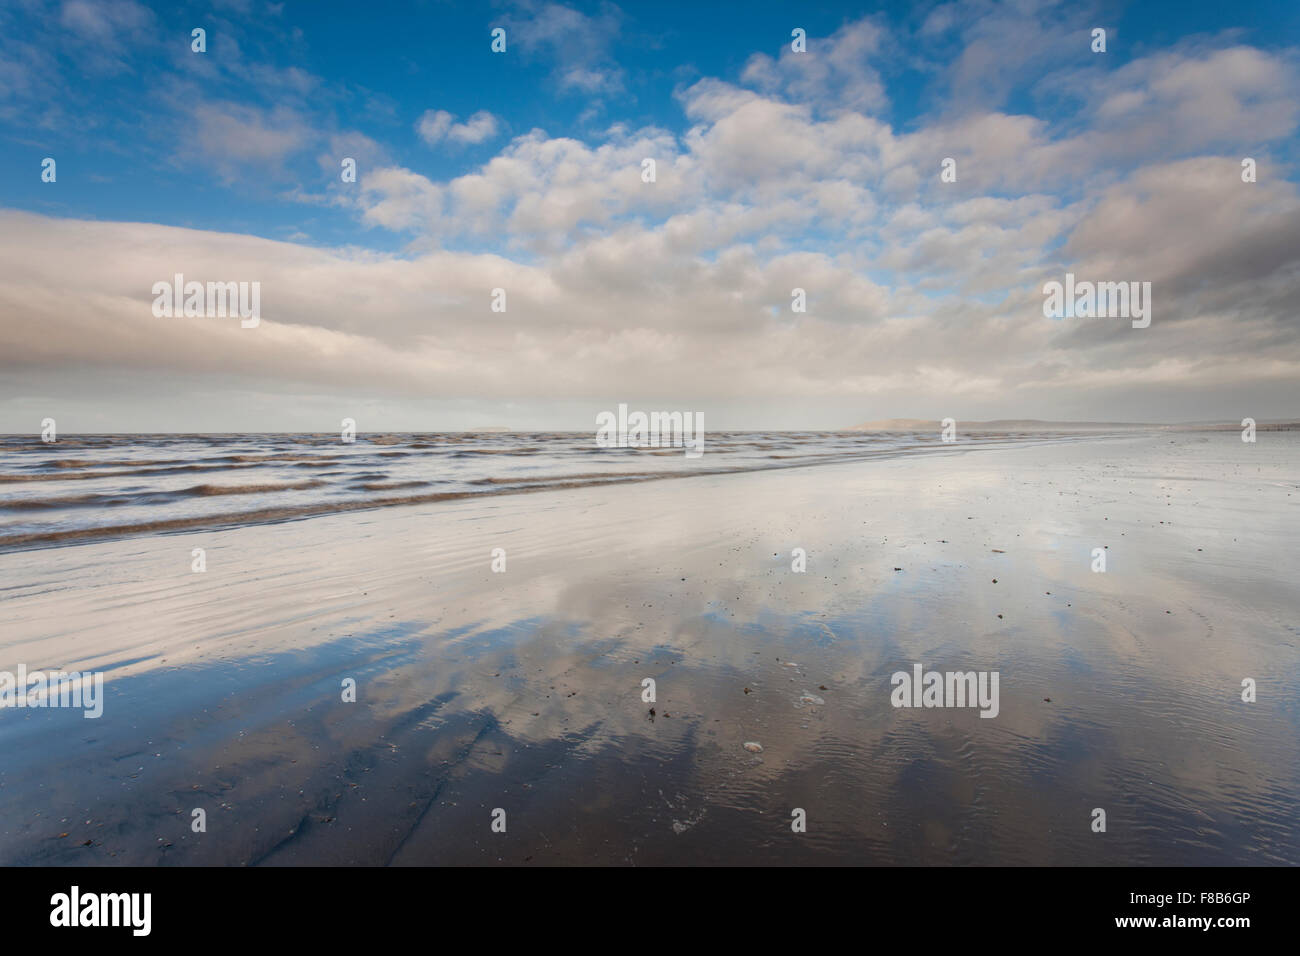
{"x":436,"y":125}
{"x":1196,"y":99}
{"x":835,"y":70}
{"x":922,"y":295}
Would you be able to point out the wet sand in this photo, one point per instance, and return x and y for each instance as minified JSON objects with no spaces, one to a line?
{"x":522,"y":690}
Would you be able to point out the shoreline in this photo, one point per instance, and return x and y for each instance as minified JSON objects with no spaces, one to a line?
{"x":73,"y":536}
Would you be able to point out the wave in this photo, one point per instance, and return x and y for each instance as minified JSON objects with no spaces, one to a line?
{"x":10,"y":477}
{"x":207,"y":490}
{"x":109,"y":500}
{"x":359,"y":478}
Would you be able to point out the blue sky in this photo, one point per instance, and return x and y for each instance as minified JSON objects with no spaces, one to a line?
{"x":776,"y":170}
{"x":377,"y":68}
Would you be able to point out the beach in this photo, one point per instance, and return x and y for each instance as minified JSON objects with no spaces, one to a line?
{"x":520,"y":689}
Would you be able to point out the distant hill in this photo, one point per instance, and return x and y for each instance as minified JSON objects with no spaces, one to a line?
{"x":1273,"y":426}
{"x":998,"y":425}
{"x":1035,"y":424}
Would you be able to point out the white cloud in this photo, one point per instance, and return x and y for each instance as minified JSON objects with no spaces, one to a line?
{"x":231,"y":137}
{"x":578,"y":45}
{"x":836,"y":70}
{"x":433,"y":125}
{"x":436,"y":125}
{"x":919,"y":291}
{"x":479,"y":127}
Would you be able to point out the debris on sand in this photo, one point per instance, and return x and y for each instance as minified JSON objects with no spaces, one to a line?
{"x":753,"y":746}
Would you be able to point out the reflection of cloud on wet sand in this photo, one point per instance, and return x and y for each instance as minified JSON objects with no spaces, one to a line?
{"x":523,"y":690}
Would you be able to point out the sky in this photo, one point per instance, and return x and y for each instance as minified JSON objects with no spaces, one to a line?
{"x":524,"y":171}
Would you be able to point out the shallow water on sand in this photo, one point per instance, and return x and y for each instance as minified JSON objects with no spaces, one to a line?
{"x":522,"y":690}
{"x":85,"y":487}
